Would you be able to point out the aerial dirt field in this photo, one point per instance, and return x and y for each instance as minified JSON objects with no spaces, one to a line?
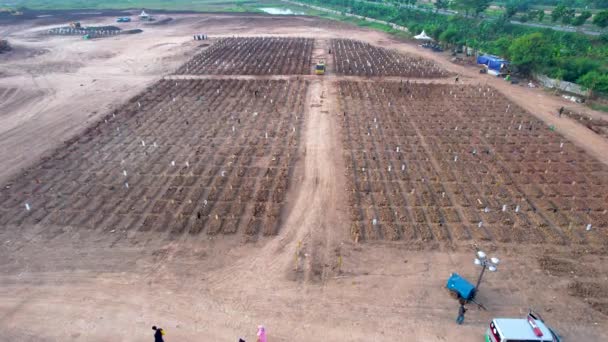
{"x":207,"y":187}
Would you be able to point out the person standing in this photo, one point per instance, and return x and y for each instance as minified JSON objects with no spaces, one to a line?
{"x":261,"y":334}
{"x":461,"y":312}
{"x":158,"y":334}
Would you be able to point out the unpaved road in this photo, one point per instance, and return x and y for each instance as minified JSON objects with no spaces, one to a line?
{"x":309,"y":283}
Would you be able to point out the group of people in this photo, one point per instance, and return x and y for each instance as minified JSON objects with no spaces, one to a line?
{"x":159,"y":334}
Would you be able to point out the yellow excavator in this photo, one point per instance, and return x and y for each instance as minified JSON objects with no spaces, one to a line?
{"x":320,"y":68}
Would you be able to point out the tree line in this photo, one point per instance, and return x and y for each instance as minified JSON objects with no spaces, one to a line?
{"x":569,"y":56}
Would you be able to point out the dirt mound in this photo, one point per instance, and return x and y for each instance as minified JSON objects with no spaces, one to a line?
{"x":588,"y":289}
{"x":558,"y":267}
{"x":593,"y":293}
{"x":163,"y":21}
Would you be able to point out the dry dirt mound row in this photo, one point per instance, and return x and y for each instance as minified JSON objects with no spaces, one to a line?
{"x":191,"y":156}
{"x":444,"y":162}
{"x":356,"y":58}
{"x":253,"y":56}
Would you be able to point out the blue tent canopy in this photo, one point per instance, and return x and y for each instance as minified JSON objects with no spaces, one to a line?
{"x":461,"y":286}
{"x":493,"y":62}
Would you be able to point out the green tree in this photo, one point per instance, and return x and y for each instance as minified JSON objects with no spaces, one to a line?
{"x":558,"y":12}
{"x":541,"y":15}
{"x":601,"y":19}
{"x":530,"y":52}
{"x":568,"y":16}
{"x":510,"y":9}
{"x":582,"y":18}
{"x":480,"y":6}
{"x":475,"y":6}
{"x":450,"y":36}
{"x":594,"y":81}
{"x":501,"y":45}
{"x":441,"y":4}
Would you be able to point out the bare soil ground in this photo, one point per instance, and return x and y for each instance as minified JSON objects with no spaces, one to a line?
{"x":312,"y":281}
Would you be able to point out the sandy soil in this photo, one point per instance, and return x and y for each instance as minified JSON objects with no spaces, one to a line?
{"x":309,"y":283}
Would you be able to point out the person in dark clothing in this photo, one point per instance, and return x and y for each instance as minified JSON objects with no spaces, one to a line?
{"x":561,"y":111}
{"x":461,"y":312}
{"x":158,"y":334}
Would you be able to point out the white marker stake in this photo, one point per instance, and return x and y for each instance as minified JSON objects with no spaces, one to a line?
{"x":504,"y":207}
{"x":187,"y":164}
{"x":155,"y":144}
{"x":479,"y":224}
{"x":402,"y":167}
{"x":486,"y":210}
{"x":389,"y":168}
{"x":27,"y":207}
{"x":124,"y":172}
{"x":173,"y":163}
{"x":126,"y":185}
{"x":374,"y":222}
{"x":588,"y":227}
{"x":143,"y":143}
{"x":517,"y":209}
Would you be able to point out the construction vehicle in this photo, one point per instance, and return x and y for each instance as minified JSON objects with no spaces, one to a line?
{"x":75,"y":25}
{"x":320,"y":68}
{"x":86,"y":37}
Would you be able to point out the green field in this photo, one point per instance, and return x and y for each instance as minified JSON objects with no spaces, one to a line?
{"x":182,"y":5}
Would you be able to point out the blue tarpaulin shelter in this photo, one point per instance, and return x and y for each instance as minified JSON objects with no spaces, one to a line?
{"x":461,"y":286}
{"x":493,"y":62}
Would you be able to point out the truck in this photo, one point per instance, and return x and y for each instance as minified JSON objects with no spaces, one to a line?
{"x":123,"y":19}
{"x":532,"y":328}
{"x":320,"y":68}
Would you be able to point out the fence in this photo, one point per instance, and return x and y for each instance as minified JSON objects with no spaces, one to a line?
{"x":561,"y":85}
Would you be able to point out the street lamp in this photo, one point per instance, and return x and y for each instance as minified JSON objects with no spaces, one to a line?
{"x":490,"y":263}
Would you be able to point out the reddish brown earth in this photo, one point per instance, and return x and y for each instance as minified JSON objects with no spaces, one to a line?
{"x":285,"y":235}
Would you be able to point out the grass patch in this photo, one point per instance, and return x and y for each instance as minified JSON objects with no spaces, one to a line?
{"x":599,"y":106}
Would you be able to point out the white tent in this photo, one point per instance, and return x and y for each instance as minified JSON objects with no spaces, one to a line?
{"x":423,"y":36}
{"x":144,"y":14}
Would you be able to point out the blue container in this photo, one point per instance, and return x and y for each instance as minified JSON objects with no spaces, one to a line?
{"x":461,"y":286}
{"x":493,"y":62}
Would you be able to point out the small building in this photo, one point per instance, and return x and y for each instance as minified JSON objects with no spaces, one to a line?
{"x":144,"y":16}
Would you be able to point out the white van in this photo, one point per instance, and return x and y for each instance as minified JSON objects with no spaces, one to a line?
{"x":529,"y":329}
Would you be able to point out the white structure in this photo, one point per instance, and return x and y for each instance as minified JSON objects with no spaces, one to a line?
{"x":144,"y":16}
{"x":423,"y":36}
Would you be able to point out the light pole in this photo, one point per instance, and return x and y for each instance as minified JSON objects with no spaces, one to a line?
{"x":490,"y":263}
